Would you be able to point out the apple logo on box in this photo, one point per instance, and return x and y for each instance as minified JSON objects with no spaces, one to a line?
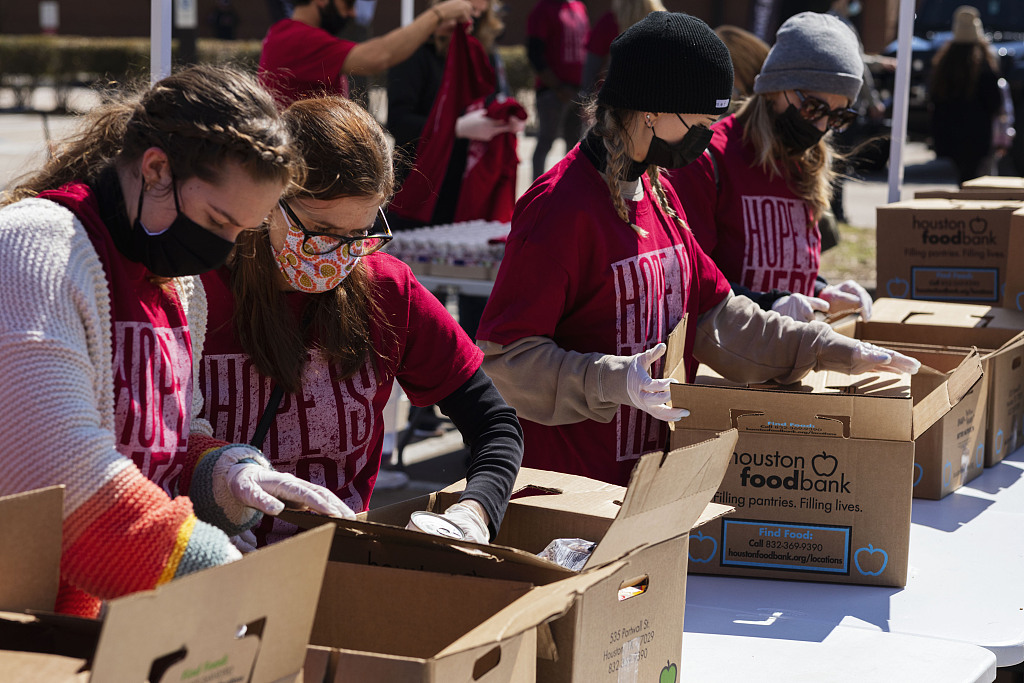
{"x":821,"y":464}
{"x":979,"y":455}
{"x":947,"y":473}
{"x":898,"y":288}
{"x":999,"y":442}
{"x":870,"y":560}
{"x":669,"y":673}
{"x":920,"y":473}
{"x":701,"y":553}
{"x":978,"y":225}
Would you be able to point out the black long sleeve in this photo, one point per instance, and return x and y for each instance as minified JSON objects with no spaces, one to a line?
{"x":764,"y":300}
{"x":535,"y":49}
{"x":491,"y":430}
{"x":412,"y":87}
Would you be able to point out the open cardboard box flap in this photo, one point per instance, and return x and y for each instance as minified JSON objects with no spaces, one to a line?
{"x":668,"y":494}
{"x":940,"y":323}
{"x":198,"y":615}
{"x":839,"y":409}
{"x":540,"y":605}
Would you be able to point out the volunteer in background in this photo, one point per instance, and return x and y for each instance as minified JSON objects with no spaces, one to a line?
{"x":98,"y":327}
{"x":623,"y":14}
{"x":312,"y":307}
{"x":748,"y":53}
{"x":754,"y":199}
{"x":301,"y":57}
{"x":600,"y":267}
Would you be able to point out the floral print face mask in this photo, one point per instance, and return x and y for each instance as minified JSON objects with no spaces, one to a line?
{"x":307,"y":271}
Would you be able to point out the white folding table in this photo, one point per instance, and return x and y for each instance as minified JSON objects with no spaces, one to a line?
{"x":965,"y":586}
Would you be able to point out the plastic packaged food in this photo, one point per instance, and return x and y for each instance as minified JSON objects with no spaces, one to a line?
{"x":571,"y":553}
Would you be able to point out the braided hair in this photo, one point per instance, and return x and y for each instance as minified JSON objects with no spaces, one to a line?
{"x":611,"y":125}
{"x":200,"y":117}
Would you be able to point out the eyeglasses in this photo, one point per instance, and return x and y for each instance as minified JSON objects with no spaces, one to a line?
{"x":812,"y":109}
{"x":320,"y":243}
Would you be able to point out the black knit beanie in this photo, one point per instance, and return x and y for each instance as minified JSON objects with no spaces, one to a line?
{"x":668,"y":62}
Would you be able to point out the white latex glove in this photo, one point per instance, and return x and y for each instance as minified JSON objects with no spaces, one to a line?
{"x":847,"y":296}
{"x":477,"y":125}
{"x":245,"y":541}
{"x":467,"y":519}
{"x":799,"y":306}
{"x":870,"y":358}
{"x":265,"y":490}
{"x":651,"y":395}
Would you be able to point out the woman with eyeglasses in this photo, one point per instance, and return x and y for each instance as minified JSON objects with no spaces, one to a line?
{"x":754,"y":199}
{"x":600,"y":266}
{"x":310,"y":326}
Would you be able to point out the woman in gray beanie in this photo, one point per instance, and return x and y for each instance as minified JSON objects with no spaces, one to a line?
{"x":600,"y":266}
{"x":755,"y":198}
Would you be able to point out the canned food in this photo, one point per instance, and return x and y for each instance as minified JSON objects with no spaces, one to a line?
{"x":433,"y":523}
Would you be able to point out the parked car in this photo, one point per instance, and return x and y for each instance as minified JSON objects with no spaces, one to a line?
{"x":1004,"y":25}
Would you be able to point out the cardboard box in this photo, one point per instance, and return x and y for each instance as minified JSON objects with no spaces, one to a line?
{"x":821,"y":475}
{"x":995,"y":182}
{"x":946,"y":250}
{"x":995,"y":331}
{"x":186,"y":629}
{"x":1014,"y":294}
{"x":952,"y":451}
{"x":641,"y":535}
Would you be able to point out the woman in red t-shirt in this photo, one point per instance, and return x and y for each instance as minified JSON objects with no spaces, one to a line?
{"x":600,"y":266}
{"x":313,"y":308}
{"x":754,"y":199}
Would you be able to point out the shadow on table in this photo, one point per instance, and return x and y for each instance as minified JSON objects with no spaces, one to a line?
{"x":950,"y":513}
{"x":786,"y":610}
{"x":1000,"y":476}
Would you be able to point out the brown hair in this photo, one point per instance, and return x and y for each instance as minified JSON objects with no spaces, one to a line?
{"x":957,"y":68}
{"x":611,"y":125}
{"x":810,"y":175}
{"x":200,"y":117}
{"x":346,"y":154}
{"x":748,"y":53}
{"x":628,"y":12}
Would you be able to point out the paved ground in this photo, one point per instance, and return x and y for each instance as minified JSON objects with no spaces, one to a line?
{"x":435,"y":462}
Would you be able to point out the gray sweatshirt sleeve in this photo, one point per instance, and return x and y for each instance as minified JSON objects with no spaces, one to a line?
{"x":746,"y":344}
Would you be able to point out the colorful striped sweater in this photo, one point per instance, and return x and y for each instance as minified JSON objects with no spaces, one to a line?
{"x":58,"y":390}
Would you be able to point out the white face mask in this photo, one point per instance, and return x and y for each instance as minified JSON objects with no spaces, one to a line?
{"x":312,"y":273}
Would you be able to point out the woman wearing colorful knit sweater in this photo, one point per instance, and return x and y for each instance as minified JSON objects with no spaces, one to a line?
{"x":99,"y":326}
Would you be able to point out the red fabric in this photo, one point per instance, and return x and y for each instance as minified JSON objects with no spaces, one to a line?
{"x":562,"y":25}
{"x":299,"y":61}
{"x":332,"y":432}
{"x":488,"y":188}
{"x":468,"y":78}
{"x":759,"y":232}
{"x":574,"y":272}
{"x":604,"y":31}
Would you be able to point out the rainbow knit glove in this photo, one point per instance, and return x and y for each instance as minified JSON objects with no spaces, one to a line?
{"x":210,"y":489}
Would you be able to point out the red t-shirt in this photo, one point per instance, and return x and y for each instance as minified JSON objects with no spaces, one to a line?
{"x":562,"y":25}
{"x":575,"y":272}
{"x":152,"y":347}
{"x":759,"y":232}
{"x":332,"y":434}
{"x":299,"y":61}
{"x":599,"y":42}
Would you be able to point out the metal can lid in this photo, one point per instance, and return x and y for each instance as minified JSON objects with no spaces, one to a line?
{"x":433,"y":523}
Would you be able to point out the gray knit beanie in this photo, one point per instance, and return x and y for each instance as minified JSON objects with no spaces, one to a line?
{"x":813,"y":52}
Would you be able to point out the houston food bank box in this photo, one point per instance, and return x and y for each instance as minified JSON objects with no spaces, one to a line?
{"x":245,"y":621}
{"x":620,"y":617}
{"x":948,"y":249}
{"x":997,"y":332}
{"x":821,"y":477}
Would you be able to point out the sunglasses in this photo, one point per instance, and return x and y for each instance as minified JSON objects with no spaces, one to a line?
{"x":321,"y":243}
{"x":812,"y":109}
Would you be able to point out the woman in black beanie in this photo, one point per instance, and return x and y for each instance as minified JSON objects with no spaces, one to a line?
{"x":600,"y":266}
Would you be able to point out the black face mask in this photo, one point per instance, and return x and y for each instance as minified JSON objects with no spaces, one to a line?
{"x":686,"y":151}
{"x":796,"y":133}
{"x":185,"y":248}
{"x":331,"y":19}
